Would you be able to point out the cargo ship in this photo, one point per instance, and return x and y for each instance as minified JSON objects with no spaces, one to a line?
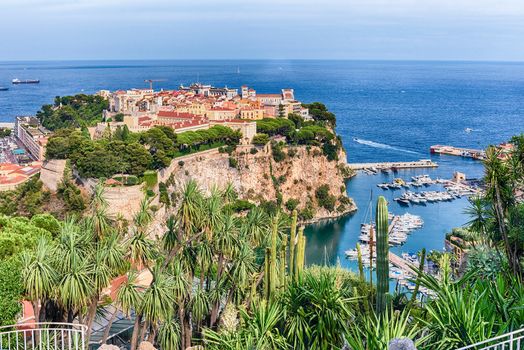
{"x":27,"y":81}
{"x":456,"y":151}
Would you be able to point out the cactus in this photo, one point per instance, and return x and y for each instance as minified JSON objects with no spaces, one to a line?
{"x":267,"y":277}
{"x":292,"y":242}
{"x":420,"y":270}
{"x":283,"y":252}
{"x":360,"y":264}
{"x":382,"y":224}
{"x":299,"y":254}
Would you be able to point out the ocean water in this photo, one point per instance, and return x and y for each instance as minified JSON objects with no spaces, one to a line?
{"x":395,"y":110}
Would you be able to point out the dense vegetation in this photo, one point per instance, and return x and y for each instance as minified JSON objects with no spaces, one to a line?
{"x":18,"y":234}
{"x":297,"y":131}
{"x":133,"y":153}
{"x":230,"y":282}
{"x":73,"y":111}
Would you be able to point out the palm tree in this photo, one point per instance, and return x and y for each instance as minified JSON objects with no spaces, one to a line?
{"x":128,"y":298}
{"x":480,"y":220}
{"x":499,"y":190}
{"x":38,"y":275}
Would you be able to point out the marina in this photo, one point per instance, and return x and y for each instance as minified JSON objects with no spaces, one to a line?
{"x":454,"y":189}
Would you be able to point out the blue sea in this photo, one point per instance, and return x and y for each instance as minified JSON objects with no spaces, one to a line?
{"x":396,"y":110}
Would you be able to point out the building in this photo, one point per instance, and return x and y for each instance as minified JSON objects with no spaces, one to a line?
{"x":12,"y":175}
{"x":32,"y":135}
{"x":251,"y":113}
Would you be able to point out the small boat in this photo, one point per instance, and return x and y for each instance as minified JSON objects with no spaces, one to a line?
{"x":27,"y":81}
{"x":3,"y":88}
{"x":468,"y":130}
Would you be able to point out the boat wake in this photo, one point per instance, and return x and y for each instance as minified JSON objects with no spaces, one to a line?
{"x":382,"y":145}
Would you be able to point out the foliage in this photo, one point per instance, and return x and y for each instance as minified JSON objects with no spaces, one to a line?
{"x":320,"y":113}
{"x":260,"y":139}
{"x":5,"y":132}
{"x":292,"y":204}
{"x":72,"y":111}
{"x":11,"y":291}
{"x":130,"y":153}
{"x":324,"y":198}
{"x":278,"y":154}
{"x":275,"y":126}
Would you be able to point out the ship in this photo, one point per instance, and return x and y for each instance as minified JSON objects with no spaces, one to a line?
{"x":3,"y":88}
{"x":27,"y":81}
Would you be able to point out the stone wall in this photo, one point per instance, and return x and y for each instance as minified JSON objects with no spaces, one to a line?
{"x":52,"y":173}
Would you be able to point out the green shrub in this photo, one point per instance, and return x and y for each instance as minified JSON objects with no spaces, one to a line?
{"x":240,"y":205}
{"x":253,"y":150}
{"x":131,"y":180}
{"x":260,"y":139}
{"x":292,"y":204}
{"x":325,"y":199}
{"x":181,"y":162}
{"x":278,"y":154}
{"x":233,"y":163}
{"x":150,"y":178}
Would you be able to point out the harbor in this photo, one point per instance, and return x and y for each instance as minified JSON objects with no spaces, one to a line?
{"x":375,"y":168}
{"x":454,"y":189}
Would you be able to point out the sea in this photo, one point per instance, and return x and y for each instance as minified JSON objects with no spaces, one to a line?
{"x":386,"y":111}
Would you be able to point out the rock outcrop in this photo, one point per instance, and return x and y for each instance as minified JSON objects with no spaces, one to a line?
{"x":258,"y":177}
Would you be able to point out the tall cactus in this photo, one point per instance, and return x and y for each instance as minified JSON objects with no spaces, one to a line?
{"x":267,"y":274}
{"x":292,"y":242}
{"x":381,"y":218}
{"x":283,"y":252}
{"x":419,"y":275}
{"x":299,"y":254}
{"x":360,"y":264}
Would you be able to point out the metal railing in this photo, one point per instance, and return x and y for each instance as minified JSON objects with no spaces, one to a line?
{"x":508,"y":341}
{"x":43,"y":336}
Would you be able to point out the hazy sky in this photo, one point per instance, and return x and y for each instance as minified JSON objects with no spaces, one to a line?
{"x":333,"y":29}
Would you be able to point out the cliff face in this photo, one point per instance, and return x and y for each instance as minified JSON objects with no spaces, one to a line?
{"x":258,"y":177}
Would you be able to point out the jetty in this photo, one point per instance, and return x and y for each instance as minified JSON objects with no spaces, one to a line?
{"x":476,"y":154}
{"x":422,"y":163}
{"x":401,"y":263}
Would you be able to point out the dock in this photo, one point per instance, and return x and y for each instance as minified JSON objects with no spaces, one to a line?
{"x":423,"y":163}
{"x":476,"y":154}
{"x":400,"y":263}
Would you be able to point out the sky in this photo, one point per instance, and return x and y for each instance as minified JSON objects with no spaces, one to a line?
{"x":268,"y":29}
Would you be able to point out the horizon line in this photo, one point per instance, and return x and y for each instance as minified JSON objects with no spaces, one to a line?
{"x":265,"y":59}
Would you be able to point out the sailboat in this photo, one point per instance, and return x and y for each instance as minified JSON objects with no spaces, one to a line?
{"x":238,"y":70}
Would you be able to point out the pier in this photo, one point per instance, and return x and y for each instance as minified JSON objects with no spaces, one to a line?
{"x":423,"y":163}
{"x":400,"y":263}
{"x":476,"y":154}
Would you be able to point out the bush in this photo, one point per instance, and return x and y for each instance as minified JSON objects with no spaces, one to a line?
{"x":325,"y":199}
{"x":260,"y":139}
{"x":308,"y":212}
{"x":253,"y":150}
{"x":150,"y":178}
{"x":240,"y":205}
{"x":233,"y":163}
{"x":181,"y":163}
{"x":292,"y":204}
{"x":131,"y":180}
{"x":119,"y":117}
{"x":278,"y":154}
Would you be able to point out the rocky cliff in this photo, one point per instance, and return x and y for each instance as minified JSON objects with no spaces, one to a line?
{"x":257,"y":177}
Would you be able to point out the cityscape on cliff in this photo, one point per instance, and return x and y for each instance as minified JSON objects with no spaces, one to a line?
{"x":346,"y":175}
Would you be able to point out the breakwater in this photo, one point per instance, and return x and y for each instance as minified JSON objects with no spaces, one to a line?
{"x":423,"y":163}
